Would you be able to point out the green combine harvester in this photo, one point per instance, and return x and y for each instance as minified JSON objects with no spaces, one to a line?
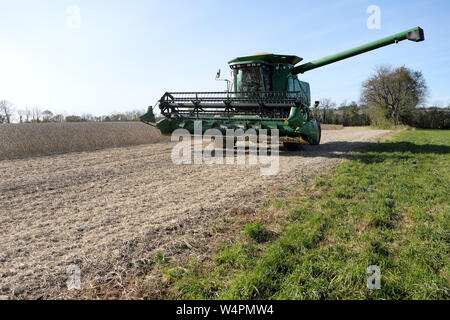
{"x":264,"y":93}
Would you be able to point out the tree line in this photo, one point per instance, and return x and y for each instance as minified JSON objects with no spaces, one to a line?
{"x":354,"y":114}
{"x":9,"y":114}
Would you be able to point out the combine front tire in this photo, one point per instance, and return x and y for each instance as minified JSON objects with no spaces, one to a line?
{"x":319,"y":135}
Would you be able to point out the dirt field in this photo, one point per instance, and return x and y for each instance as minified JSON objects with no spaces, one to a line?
{"x":109,"y":210}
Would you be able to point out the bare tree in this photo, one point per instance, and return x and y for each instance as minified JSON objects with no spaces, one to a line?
{"x":324,"y":108}
{"x":21,"y":114}
{"x":27,"y":114}
{"x":6,"y":110}
{"x":86,"y":117}
{"x":397,"y":91}
{"x":36,"y":114}
{"x":133,"y":114}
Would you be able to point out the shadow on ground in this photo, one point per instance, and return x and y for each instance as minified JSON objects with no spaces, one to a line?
{"x":368,"y":152}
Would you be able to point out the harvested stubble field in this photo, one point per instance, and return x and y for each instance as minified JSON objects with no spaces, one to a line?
{"x":31,"y":139}
{"x":112,"y":211}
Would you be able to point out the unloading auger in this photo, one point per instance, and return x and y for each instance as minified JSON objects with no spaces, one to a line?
{"x":265,"y":93}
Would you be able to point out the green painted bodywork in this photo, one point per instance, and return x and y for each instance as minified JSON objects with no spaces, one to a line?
{"x":414,"y":34}
{"x":307,"y":130}
{"x":277,"y":73}
{"x":148,"y":117}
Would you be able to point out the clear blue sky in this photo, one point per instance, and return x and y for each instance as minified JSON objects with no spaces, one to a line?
{"x":126,"y":54}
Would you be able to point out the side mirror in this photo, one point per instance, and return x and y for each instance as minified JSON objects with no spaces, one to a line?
{"x":218,"y":79}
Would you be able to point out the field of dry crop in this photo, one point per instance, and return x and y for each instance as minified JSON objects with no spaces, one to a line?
{"x":110,"y":211}
{"x":30,"y":139}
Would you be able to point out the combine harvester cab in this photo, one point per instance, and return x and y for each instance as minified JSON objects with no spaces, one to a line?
{"x":264,"y":93}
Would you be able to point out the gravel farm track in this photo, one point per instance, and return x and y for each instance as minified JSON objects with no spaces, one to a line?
{"x":108,"y":210}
